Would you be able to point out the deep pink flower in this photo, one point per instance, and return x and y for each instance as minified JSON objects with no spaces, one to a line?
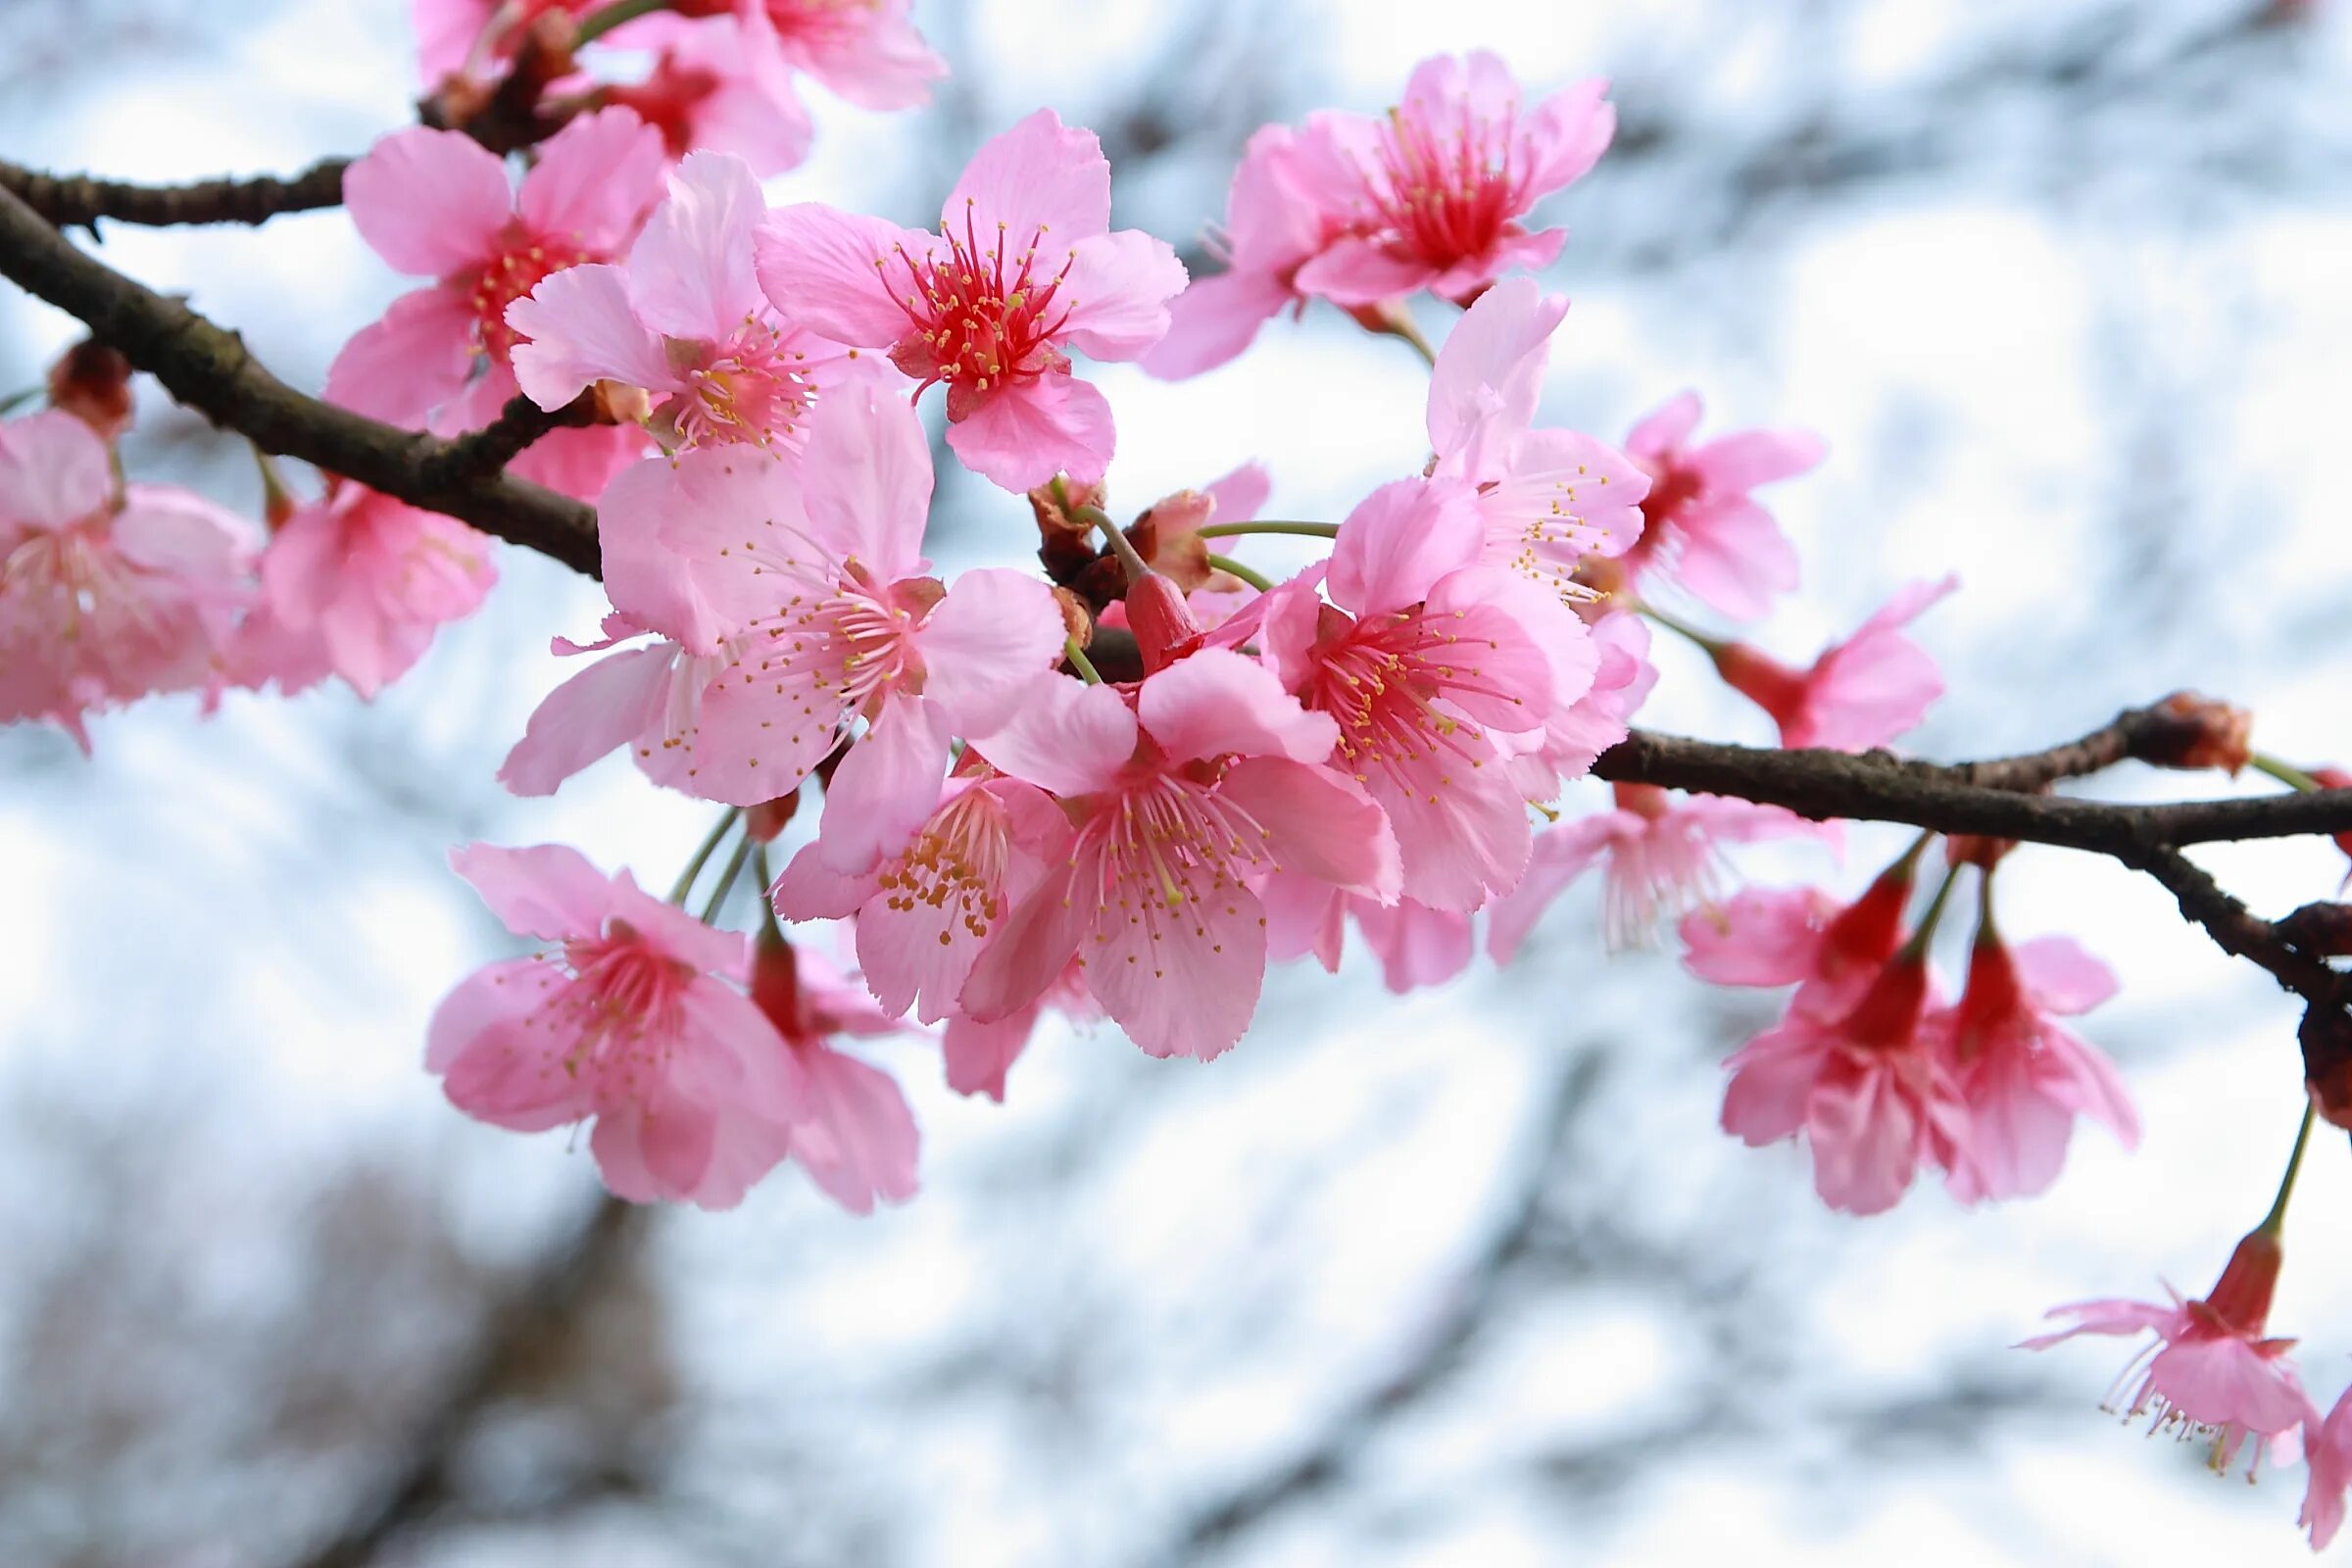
{"x":1548,"y":498}
{"x":2024,"y":1076}
{"x":2327,"y":1450}
{"x":436,"y":204}
{"x":927,"y":908}
{"x":1860,"y":1080}
{"x":1660,"y":855}
{"x":1185,"y":793}
{"x":1444,"y":178}
{"x":354,"y":585}
{"x":106,"y":594}
{"x":1860,"y":693}
{"x":1025,"y":264}
{"x":1424,"y":657}
{"x":1700,"y":527}
{"x":683,"y":319}
{"x":2210,"y":1371}
{"x":1276,"y":220}
{"x":629,"y":1020}
{"x":813,"y":585}
{"x":851,"y":1132}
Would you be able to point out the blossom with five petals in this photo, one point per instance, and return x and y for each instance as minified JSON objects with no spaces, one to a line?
{"x":1700,"y":527}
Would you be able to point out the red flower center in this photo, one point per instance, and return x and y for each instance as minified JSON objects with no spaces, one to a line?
{"x":514,"y":272}
{"x":979,"y":317}
{"x":1452,"y":186}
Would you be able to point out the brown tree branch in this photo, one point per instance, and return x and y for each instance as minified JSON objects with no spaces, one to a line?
{"x":78,"y":199}
{"x":210,"y":371}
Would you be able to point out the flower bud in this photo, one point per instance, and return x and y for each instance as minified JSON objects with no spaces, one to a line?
{"x":777,"y":983}
{"x":1162,"y":622}
{"x":2241,"y":1298}
{"x":2189,"y":731}
{"x":91,"y":382}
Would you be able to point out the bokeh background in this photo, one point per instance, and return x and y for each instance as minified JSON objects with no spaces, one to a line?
{"x":1467,"y":1278}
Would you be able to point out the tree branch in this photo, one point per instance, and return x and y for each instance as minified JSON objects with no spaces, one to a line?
{"x":78,"y":198}
{"x":210,"y":371}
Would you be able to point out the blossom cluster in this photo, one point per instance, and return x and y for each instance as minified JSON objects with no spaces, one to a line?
{"x":1115,"y":789}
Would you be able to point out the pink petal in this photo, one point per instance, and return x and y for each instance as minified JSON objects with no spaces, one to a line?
{"x":1490,"y":370}
{"x":1751,"y":457}
{"x":680,"y":535}
{"x":1023,"y":433}
{"x":1241,"y":495}
{"x":495,"y":993}
{"x":2107,"y":1315}
{"x":1732,"y":554}
{"x":1182,"y":982}
{"x":1216,"y":703}
{"x":1399,"y":541}
{"x":758,"y":735}
{"x":2061,"y":976}
{"x":2226,"y":1382}
{"x":1772,"y":1083}
{"x":1762,"y":937}
{"x":857,"y":1140}
{"x":691,"y":269}
{"x":1030,"y":949}
{"x":833,"y":271}
{"x":1040,"y":176}
{"x":866,"y":477}
{"x":1317,"y":823}
{"x":1866,"y":1138}
{"x":1213,"y":321}
{"x":980,"y":1054}
{"x":429,"y":202}
{"x":1462,"y":839}
{"x":603,"y":707}
{"x":582,"y":329}
{"x":1358,"y":272}
{"x":1416,"y":945}
{"x":1567,"y":134}
{"x":594,"y":179}
{"x":886,"y":785}
{"x":549,"y":891}
{"x":986,"y":644}
{"x":500,"y":1064}
{"x":1121,"y":286}
{"x":1665,"y":427}
{"x":1561,"y":854}
{"x":1065,"y":736}
{"x":407,"y":362}
{"x":52,"y":473}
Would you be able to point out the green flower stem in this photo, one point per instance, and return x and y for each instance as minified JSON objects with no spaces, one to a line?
{"x":1080,"y":662}
{"x":2284,"y":772}
{"x":1916,"y":949}
{"x":702,"y":857}
{"x":2275,"y":1220}
{"x":1712,"y":644}
{"x":726,"y":880}
{"x":1249,"y":574}
{"x":1304,"y":530}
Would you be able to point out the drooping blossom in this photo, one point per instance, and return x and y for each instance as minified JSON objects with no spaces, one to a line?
{"x":851,"y":1132}
{"x":2210,"y":1372}
{"x":1549,"y":498}
{"x":1800,"y":936}
{"x":2327,"y":1450}
{"x":1700,"y":527}
{"x":631,"y":1019}
{"x":1025,"y":265}
{"x":1276,"y":221}
{"x":1423,"y":657}
{"x":354,"y":585}
{"x":684,"y":319}
{"x":1443,"y":181}
{"x":2024,"y":1075}
{"x":1860,"y":693}
{"x":927,"y":908}
{"x":436,"y":204}
{"x":1185,"y":793}
{"x":107,"y":592}
{"x":1660,"y":854}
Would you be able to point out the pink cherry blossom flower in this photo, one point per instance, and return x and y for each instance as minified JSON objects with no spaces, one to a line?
{"x":1185,"y":793}
{"x":2024,"y":1076}
{"x":813,"y":586}
{"x":628,"y":1020}
{"x":866,"y":51}
{"x":1575,"y":736}
{"x":354,"y":585}
{"x":1548,"y":498}
{"x":1660,"y":855}
{"x":1276,"y":221}
{"x":707,"y":91}
{"x":1414,"y":945}
{"x":2210,"y":1372}
{"x":1700,"y":527}
{"x":683,"y":319}
{"x":2327,"y":1450}
{"x":1025,"y":263}
{"x":1422,"y":658}
{"x":107,"y":592}
{"x":435,"y":204}
{"x":1800,"y":936}
{"x":1861,"y":1082}
{"x":852,"y":1133}
{"x":1858,"y":693}
{"x":1444,"y":178}
{"x":648,"y":698}
{"x":927,"y":909}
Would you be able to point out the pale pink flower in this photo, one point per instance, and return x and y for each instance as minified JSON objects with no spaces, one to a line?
{"x":1660,"y":855}
{"x":354,"y":585}
{"x":2024,"y":1076}
{"x":851,"y":1132}
{"x":1444,"y":179}
{"x":1183,"y":803}
{"x":1860,"y":693}
{"x":1548,"y":497}
{"x":1423,"y":658}
{"x":1700,"y":527}
{"x":1276,"y":221}
{"x":2327,"y":1450}
{"x":978,"y":1056}
{"x":1575,"y":736}
{"x":683,"y":319}
{"x":436,"y":204}
{"x":1860,"y":1080}
{"x":107,"y":592}
{"x":1415,"y":945}
{"x":1025,"y":264}
{"x":927,"y":908}
{"x":2210,"y":1371}
{"x":629,"y":1020}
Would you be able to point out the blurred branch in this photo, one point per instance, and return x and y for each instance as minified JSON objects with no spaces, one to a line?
{"x":479,"y":454}
{"x":210,"y":371}
{"x":78,"y":198}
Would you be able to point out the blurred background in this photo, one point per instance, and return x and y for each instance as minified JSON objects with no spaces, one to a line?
{"x":1467,"y":1278}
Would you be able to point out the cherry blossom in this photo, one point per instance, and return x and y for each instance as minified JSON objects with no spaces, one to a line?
{"x":865,"y":51}
{"x":851,"y":1131}
{"x":1860,"y":693}
{"x":435,"y":204}
{"x":106,"y":592}
{"x":707,"y":91}
{"x":2327,"y":1450}
{"x":354,"y":585}
{"x":1414,"y":945}
{"x":1701,"y":528}
{"x":1185,"y":793}
{"x":1443,"y":181}
{"x":684,"y":319}
{"x":1799,"y":936}
{"x":1025,"y":263}
{"x":628,"y":1020}
{"x":2210,"y":1371}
